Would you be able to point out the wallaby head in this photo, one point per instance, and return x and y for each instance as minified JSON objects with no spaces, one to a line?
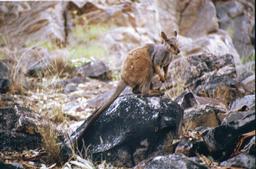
{"x":170,"y":43}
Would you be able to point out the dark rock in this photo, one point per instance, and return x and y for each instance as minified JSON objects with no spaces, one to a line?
{"x":131,"y":129}
{"x":241,"y":160}
{"x":221,"y":141}
{"x":4,"y":72}
{"x":18,"y":129}
{"x":4,"y":85}
{"x":250,"y":148}
{"x":10,"y":166}
{"x":95,"y":69}
{"x":173,"y":161}
{"x":4,"y":78}
{"x":18,"y":141}
{"x":190,"y":147}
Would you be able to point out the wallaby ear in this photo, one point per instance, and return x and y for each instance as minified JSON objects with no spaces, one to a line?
{"x":175,"y":33}
{"x":163,"y":36}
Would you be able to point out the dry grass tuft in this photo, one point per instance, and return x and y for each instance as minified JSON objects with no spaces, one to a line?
{"x":57,"y":115}
{"x":59,"y":66}
{"x":50,"y":142}
{"x":13,"y":58}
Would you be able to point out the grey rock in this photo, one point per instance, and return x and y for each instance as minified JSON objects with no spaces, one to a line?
{"x":241,"y":160}
{"x":238,"y":20}
{"x":246,"y":102}
{"x":172,"y":161}
{"x":95,"y":69}
{"x":71,"y":87}
{"x":241,"y":121}
{"x":190,"y":24}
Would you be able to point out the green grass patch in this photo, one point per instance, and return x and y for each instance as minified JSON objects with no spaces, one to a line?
{"x":88,"y":33}
{"x":51,"y":46}
{"x":82,"y":43}
{"x":247,"y":59}
{"x":2,"y":55}
{"x":80,"y":54}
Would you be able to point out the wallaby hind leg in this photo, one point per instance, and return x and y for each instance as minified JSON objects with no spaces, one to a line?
{"x":146,"y":91}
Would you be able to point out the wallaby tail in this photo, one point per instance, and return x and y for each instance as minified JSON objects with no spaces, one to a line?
{"x":120,"y":87}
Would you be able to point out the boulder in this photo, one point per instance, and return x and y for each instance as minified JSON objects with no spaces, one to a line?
{"x":240,"y":160}
{"x":222,"y":139}
{"x":95,"y":69}
{"x":131,"y":129}
{"x":173,"y":161}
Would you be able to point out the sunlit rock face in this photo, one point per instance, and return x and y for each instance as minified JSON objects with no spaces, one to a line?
{"x":236,"y":18}
{"x":132,"y":129}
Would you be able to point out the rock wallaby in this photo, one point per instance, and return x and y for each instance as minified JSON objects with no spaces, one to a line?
{"x":139,"y":67}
